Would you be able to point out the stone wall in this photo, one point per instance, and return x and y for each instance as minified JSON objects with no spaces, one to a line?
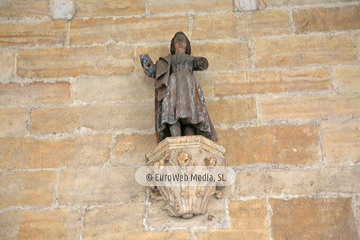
{"x":76,"y":115}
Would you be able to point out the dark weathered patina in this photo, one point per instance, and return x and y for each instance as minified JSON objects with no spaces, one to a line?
{"x":180,"y":108}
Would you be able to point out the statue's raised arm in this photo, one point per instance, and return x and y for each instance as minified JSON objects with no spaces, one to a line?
{"x":148,"y":65}
{"x":179,"y":102}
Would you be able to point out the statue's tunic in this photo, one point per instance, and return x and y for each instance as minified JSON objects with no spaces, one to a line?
{"x":179,"y":97}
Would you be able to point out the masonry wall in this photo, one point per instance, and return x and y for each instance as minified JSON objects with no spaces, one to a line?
{"x":76,"y":115}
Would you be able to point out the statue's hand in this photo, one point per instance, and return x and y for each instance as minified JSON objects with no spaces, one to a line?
{"x":147,"y":65}
{"x":202,"y":63}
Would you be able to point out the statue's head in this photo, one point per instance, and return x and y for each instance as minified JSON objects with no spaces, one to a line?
{"x":178,"y":39}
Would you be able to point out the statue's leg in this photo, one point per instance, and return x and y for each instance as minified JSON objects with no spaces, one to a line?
{"x":175,"y":129}
{"x":189,"y":130}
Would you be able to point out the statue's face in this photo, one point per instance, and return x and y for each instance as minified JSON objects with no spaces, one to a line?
{"x":180,"y":44}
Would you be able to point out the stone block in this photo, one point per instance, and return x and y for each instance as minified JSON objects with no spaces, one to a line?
{"x":138,"y":115}
{"x":327,"y":19}
{"x":116,"y":223}
{"x":280,"y":3}
{"x":24,"y":8}
{"x":297,"y":181}
{"x":311,"y":107}
{"x":127,"y":30}
{"x":91,"y":8}
{"x":61,"y":62}
{"x":27,"y":188}
{"x":35,"y":93}
{"x":113,"y":222}
{"x":62,"y":9}
{"x":32,"y":33}
{"x":13,"y":121}
{"x":357,"y":214}
{"x":317,"y":218}
{"x":155,"y":235}
{"x":100,"y":185}
{"x":248,"y":5}
{"x":232,"y":111}
{"x":51,"y":224}
{"x":348,"y":78}
{"x":341,"y":142}
{"x":9,"y":222}
{"x":166,"y":6}
{"x":273,"y":81}
{"x":279,"y":144}
{"x":54,"y":120}
{"x":6,"y":64}
{"x":301,"y":51}
{"x":233,"y":55}
{"x":131,"y":149}
{"x":28,"y":153}
{"x":248,"y":221}
{"x":114,"y":88}
{"x":244,"y":25}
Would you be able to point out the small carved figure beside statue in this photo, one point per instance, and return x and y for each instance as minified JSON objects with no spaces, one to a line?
{"x":180,"y":113}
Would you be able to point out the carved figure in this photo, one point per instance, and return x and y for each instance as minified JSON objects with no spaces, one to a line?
{"x":180,"y":108}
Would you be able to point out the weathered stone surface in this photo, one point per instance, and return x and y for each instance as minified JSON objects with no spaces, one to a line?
{"x":186,"y":200}
{"x":294,"y":80}
{"x":341,"y":142}
{"x":114,"y":88}
{"x":311,"y":107}
{"x":205,"y":79}
{"x":230,"y":235}
{"x":248,"y":221}
{"x":28,"y":153}
{"x":24,"y":8}
{"x":348,"y":78}
{"x":138,"y":115}
{"x":123,"y":222}
{"x":72,"y":62}
{"x":248,"y":5}
{"x":357,"y":214}
{"x":300,"y":51}
{"x":280,"y":3}
{"x":317,"y":218}
{"x":155,"y":52}
{"x":100,"y":185}
{"x":232,"y":111}
{"x":177,"y":235}
{"x":13,"y":121}
{"x":113,"y":222}
{"x":298,"y":182}
{"x":39,"y":33}
{"x":91,"y":8}
{"x":224,"y":56}
{"x":27,"y":188}
{"x":158,"y":217}
{"x":282,"y":144}
{"x":131,"y":149}
{"x":62,"y":9}
{"x":6,"y":64}
{"x":166,"y":6}
{"x":128,"y":30}
{"x":9,"y":225}
{"x":54,"y":120}
{"x":52,"y":224}
{"x":35,"y":93}
{"x":327,"y":19}
{"x":235,"y":25}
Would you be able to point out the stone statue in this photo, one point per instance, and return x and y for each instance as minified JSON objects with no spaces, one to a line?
{"x":180,"y":108}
